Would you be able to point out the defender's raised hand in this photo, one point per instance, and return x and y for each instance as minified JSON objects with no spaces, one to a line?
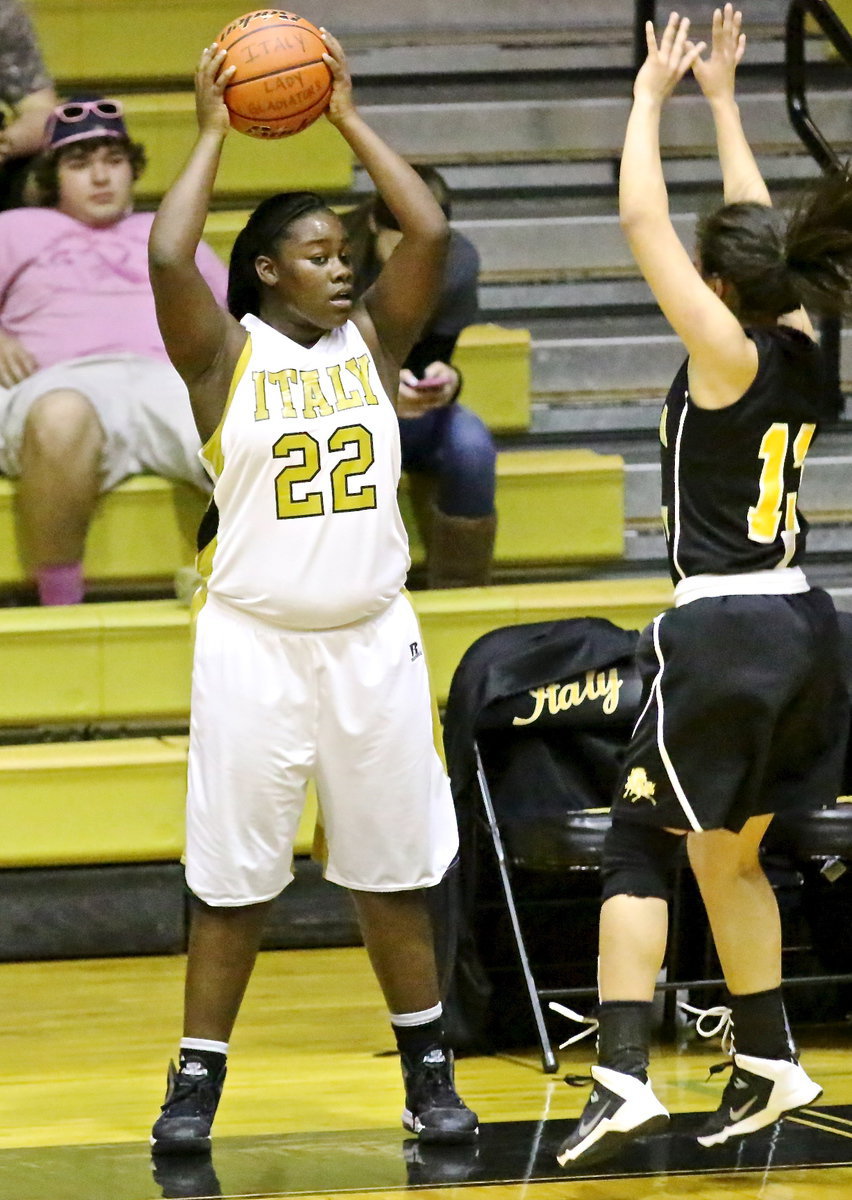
{"x":667,"y":63}
{"x":716,"y":74}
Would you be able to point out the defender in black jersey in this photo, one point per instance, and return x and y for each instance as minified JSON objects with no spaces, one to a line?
{"x":744,"y":711}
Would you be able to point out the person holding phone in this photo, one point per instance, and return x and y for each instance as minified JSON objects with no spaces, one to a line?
{"x":447,"y":450}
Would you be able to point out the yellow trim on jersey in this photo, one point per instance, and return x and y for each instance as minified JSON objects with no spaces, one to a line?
{"x":212,"y":448}
{"x":204,"y":566}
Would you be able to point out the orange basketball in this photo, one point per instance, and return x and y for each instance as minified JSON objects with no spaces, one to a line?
{"x":281,"y":84}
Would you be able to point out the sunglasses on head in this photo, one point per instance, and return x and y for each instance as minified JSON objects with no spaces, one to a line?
{"x":78,"y":110}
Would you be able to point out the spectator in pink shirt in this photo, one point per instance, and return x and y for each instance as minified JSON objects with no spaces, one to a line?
{"x":87,"y":394}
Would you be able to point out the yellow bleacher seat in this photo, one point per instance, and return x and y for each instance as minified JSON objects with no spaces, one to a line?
{"x":95,"y":662}
{"x":121,"y":800}
{"x":495,"y":364}
{"x":147,"y":45}
{"x":88,"y":40}
{"x":110,"y":801}
{"x":553,"y":506}
{"x":318,"y":159}
{"x":144,"y":529}
{"x":131,"y":660}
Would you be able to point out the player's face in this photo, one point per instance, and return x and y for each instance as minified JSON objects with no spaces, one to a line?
{"x":309,"y":277}
{"x":95,"y":183}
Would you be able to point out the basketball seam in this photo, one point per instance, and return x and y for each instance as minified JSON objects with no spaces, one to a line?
{"x":269,"y":74}
{"x":284,"y":116}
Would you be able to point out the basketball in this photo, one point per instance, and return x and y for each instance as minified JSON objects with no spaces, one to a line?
{"x":281,"y":84}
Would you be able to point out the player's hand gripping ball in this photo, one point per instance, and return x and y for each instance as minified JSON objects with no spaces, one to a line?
{"x":281,"y":84}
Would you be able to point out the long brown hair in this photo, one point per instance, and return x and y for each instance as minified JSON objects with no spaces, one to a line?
{"x":777,"y":263}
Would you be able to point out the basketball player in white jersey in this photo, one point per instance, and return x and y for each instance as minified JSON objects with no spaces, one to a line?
{"x":308,"y":660}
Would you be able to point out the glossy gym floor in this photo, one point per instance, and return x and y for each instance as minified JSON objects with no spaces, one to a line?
{"x":311,"y":1106}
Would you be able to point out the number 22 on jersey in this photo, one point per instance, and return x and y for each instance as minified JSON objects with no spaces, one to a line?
{"x":348,"y":491}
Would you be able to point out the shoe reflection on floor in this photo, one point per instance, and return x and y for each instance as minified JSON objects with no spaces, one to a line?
{"x":185,"y":1176}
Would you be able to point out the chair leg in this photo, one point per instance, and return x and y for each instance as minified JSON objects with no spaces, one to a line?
{"x":548,"y":1058}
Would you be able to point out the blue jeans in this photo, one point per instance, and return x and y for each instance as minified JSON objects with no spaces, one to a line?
{"x":455,"y":446}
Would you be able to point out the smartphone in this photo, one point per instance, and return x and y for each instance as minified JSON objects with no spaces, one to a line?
{"x":430,"y":385}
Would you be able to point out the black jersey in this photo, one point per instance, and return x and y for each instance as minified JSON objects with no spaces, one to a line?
{"x":730,"y":476}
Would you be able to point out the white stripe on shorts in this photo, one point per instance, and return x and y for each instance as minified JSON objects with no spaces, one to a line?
{"x":657,"y":689}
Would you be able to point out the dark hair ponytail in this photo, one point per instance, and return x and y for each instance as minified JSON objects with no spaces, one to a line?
{"x":266,"y":226}
{"x":778,"y":264}
{"x":818,"y":245}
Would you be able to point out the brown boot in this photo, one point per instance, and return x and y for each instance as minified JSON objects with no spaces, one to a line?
{"x":461,"y":550}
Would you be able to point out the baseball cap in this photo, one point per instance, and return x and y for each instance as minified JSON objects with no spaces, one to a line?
{"x":83,"y":118}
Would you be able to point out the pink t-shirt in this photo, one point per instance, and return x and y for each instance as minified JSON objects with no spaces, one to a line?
{"x":68,"y":290}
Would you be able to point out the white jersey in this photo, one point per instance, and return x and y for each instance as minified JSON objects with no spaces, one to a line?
{"x":305,"y":464}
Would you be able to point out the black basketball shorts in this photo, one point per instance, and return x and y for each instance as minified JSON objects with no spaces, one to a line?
{"x":744,"y":712}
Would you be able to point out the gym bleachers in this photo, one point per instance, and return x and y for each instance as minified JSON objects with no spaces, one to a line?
{"x":145,"y":529}
{"x":567,"y":367}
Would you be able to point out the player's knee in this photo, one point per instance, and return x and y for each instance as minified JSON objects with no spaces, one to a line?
{"x":469,"y":442}
{"x":58,"y":422}
{"x":718,"y":858}
{"x":638,"y":860}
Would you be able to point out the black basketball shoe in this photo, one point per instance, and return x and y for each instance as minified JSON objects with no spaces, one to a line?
{"x":433,"y":1108}
{"x":620,"y":1108}
{"x":759,"y":1092}
{"x":192,"y":1097}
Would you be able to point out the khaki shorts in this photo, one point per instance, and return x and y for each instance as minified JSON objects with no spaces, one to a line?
{"x":349,"y":708}
{"x":142,"y":405}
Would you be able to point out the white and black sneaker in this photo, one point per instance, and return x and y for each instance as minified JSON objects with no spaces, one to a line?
{"x":759,"y":1092}
{"x":433,"y":1108}
{"x":620,"y":1108}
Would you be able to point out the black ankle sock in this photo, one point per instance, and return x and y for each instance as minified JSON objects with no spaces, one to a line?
{"x":212,"y":1060}
{"x":624,"y":1036}
{"x":760,"y":1025}
{"x":413,"y":1041}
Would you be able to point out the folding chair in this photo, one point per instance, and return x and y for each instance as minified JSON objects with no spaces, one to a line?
{"x":535,"y":721}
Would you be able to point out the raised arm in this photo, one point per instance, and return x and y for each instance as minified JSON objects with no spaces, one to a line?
{"x":741,"y":177}
{"x":720,"y":352}
{"x":202,"y":340}
{"x":402,"y":299}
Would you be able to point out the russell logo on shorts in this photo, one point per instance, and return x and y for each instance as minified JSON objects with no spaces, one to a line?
{"x":415,"y":651}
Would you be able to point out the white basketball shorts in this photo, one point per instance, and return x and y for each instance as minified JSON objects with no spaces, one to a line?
{"x":348,"y":707}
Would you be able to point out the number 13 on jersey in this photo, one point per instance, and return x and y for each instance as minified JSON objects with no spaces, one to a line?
{"x":773,"y":501}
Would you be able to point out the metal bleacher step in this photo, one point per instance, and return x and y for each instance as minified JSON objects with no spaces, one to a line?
{"x":537,"y":130}
{"x":405,"y":38}
{"x":609,"y":366}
